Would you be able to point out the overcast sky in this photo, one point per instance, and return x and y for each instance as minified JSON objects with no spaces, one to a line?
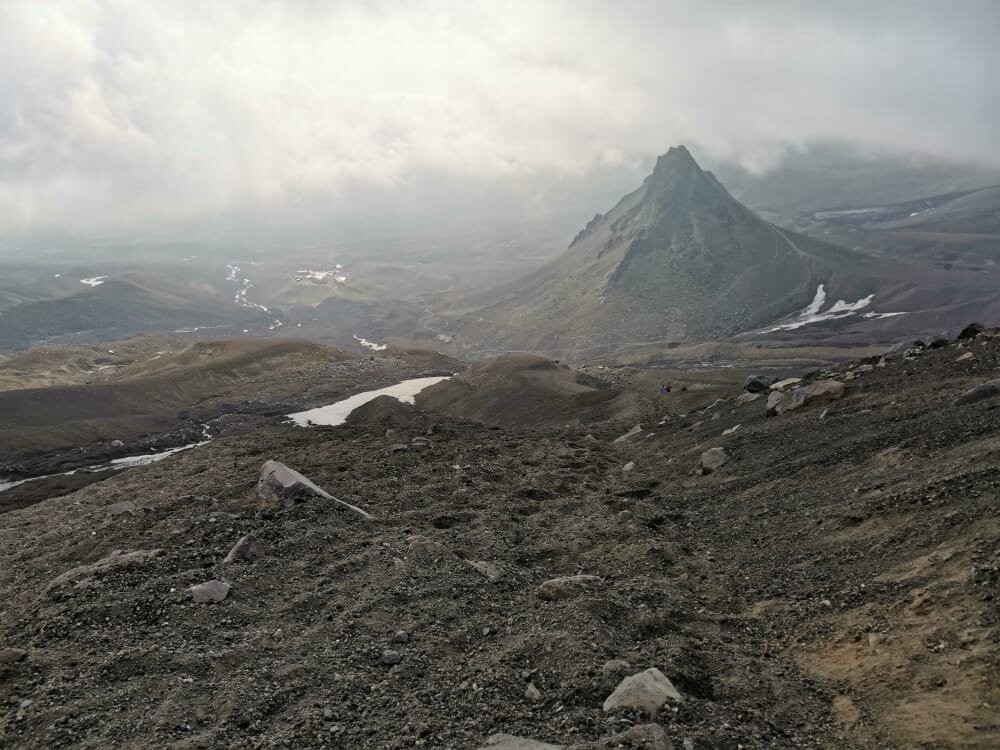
{"x":124,"y":114}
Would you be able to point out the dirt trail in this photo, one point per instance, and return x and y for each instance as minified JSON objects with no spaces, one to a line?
{"x":832,"y":585}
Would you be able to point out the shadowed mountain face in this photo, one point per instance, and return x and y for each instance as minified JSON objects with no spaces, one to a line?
{"x":680,"y":259}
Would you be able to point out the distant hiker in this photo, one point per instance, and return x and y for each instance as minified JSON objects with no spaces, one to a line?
{"x":668,"y":387}
{"x":663,"y":388}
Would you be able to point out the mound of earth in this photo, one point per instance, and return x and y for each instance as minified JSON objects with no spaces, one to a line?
{"x":831,"y":583}
{"x":384,"y":411}
{"x":523,"y":389}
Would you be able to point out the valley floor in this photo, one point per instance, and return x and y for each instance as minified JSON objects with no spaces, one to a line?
{"x":833,"y":585}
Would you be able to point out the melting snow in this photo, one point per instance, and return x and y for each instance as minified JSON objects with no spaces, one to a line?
{"x":839,"y":309}
{"x":371,"y":344}
{"x":337,"y":413}
{"x":93,"y":280}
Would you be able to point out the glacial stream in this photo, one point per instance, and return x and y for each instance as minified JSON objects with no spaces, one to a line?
{"x":331,"y":414}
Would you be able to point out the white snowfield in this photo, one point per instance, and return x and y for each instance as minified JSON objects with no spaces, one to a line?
{"x":813,"y":312}
{"x":337,"y":413}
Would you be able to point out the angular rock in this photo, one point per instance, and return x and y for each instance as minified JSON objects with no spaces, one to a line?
{"x":487,"y":569}
{"x":401,"y":636}
{"x":532,"y":693}
{"x":615,"y":667}
{"x":629,"y":466}
{"x":647,"y":691}
{"x":12,"y":655}
{"x":117,"y":559}
{"x":566,"y":587}
{"x":758,"y":383}
{"x":712,"y":460}
{"x":971,"y":331}
{"x":512,"y":742}
{"x":282,"y":487}
{"x":246,"y":549}
{"x":785,"y":384}
{"x":642,"y":737}
{"x":965,"y":357}
{"x":398,"y":448}
{"x":746,"y":398}
{"x":421,"y":545}
{"x":390,"y":657}
{"x":980,"y":392}
{"x":210,"y":592}
{"x":821,"y":390}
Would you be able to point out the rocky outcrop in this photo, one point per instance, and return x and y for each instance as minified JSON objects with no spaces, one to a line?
{"x":759,"y":383}
{"x":282,"y":487}
{"x":822,"y":390}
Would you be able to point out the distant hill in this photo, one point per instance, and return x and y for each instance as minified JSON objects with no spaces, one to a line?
{"x":680,"y":259}
{"x":522,"y":389}
{"x":116,"y":309}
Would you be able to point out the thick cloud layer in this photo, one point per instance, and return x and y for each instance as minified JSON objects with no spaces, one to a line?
{"x":116,"y":115}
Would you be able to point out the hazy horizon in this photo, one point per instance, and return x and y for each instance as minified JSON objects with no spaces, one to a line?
{"x":192,"y":118}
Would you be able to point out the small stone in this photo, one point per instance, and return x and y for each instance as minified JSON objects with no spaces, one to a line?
{"x":615,"y":667}
{"x":566,"y":587}
{"x":625,"y":516}
{"x":209,"y":592}
{"x":401,"y":636}
{"x":327,"y":713}
{"x":629,"y":466}
{"x":390,"y":657}
{"x":12,"y":655}
{"x":712,"y":460}
{"x":532,"y":693}
{"x":488,"y":569}
{"x":965,"y":357}
{"x":26,"y":703}
{"x":397,"y":448}
{"x":647,"y":691}
{"x":248,"y":548}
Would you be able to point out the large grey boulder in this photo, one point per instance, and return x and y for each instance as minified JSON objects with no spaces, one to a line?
{"x":712,"y":460}
{"x":648,"y":691}
{"x":980,"y":392}
{"x":822,"y":390}
{"x":210,"y":592}
{"x":566,"y":587}
{"x":283,"y":487}
{"x":759,"y":383}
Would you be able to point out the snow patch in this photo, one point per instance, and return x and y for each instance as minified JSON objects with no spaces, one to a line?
{"x":812,"y":313}
{"x":93,"y":280}
{"x":370,"y":344}
{"x":337,"y":413}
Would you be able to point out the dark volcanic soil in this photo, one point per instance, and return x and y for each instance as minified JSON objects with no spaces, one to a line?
{"x":833,"y":585}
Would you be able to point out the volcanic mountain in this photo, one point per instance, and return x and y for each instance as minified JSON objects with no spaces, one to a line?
{"x":681,"y":259}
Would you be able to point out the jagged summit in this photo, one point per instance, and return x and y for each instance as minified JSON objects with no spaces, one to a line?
{"x":678,"y":258}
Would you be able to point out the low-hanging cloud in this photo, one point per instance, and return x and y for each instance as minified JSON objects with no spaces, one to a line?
{"x":116,"y":114}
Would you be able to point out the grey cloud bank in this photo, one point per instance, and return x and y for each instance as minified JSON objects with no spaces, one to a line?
{"x":124,"y":115}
